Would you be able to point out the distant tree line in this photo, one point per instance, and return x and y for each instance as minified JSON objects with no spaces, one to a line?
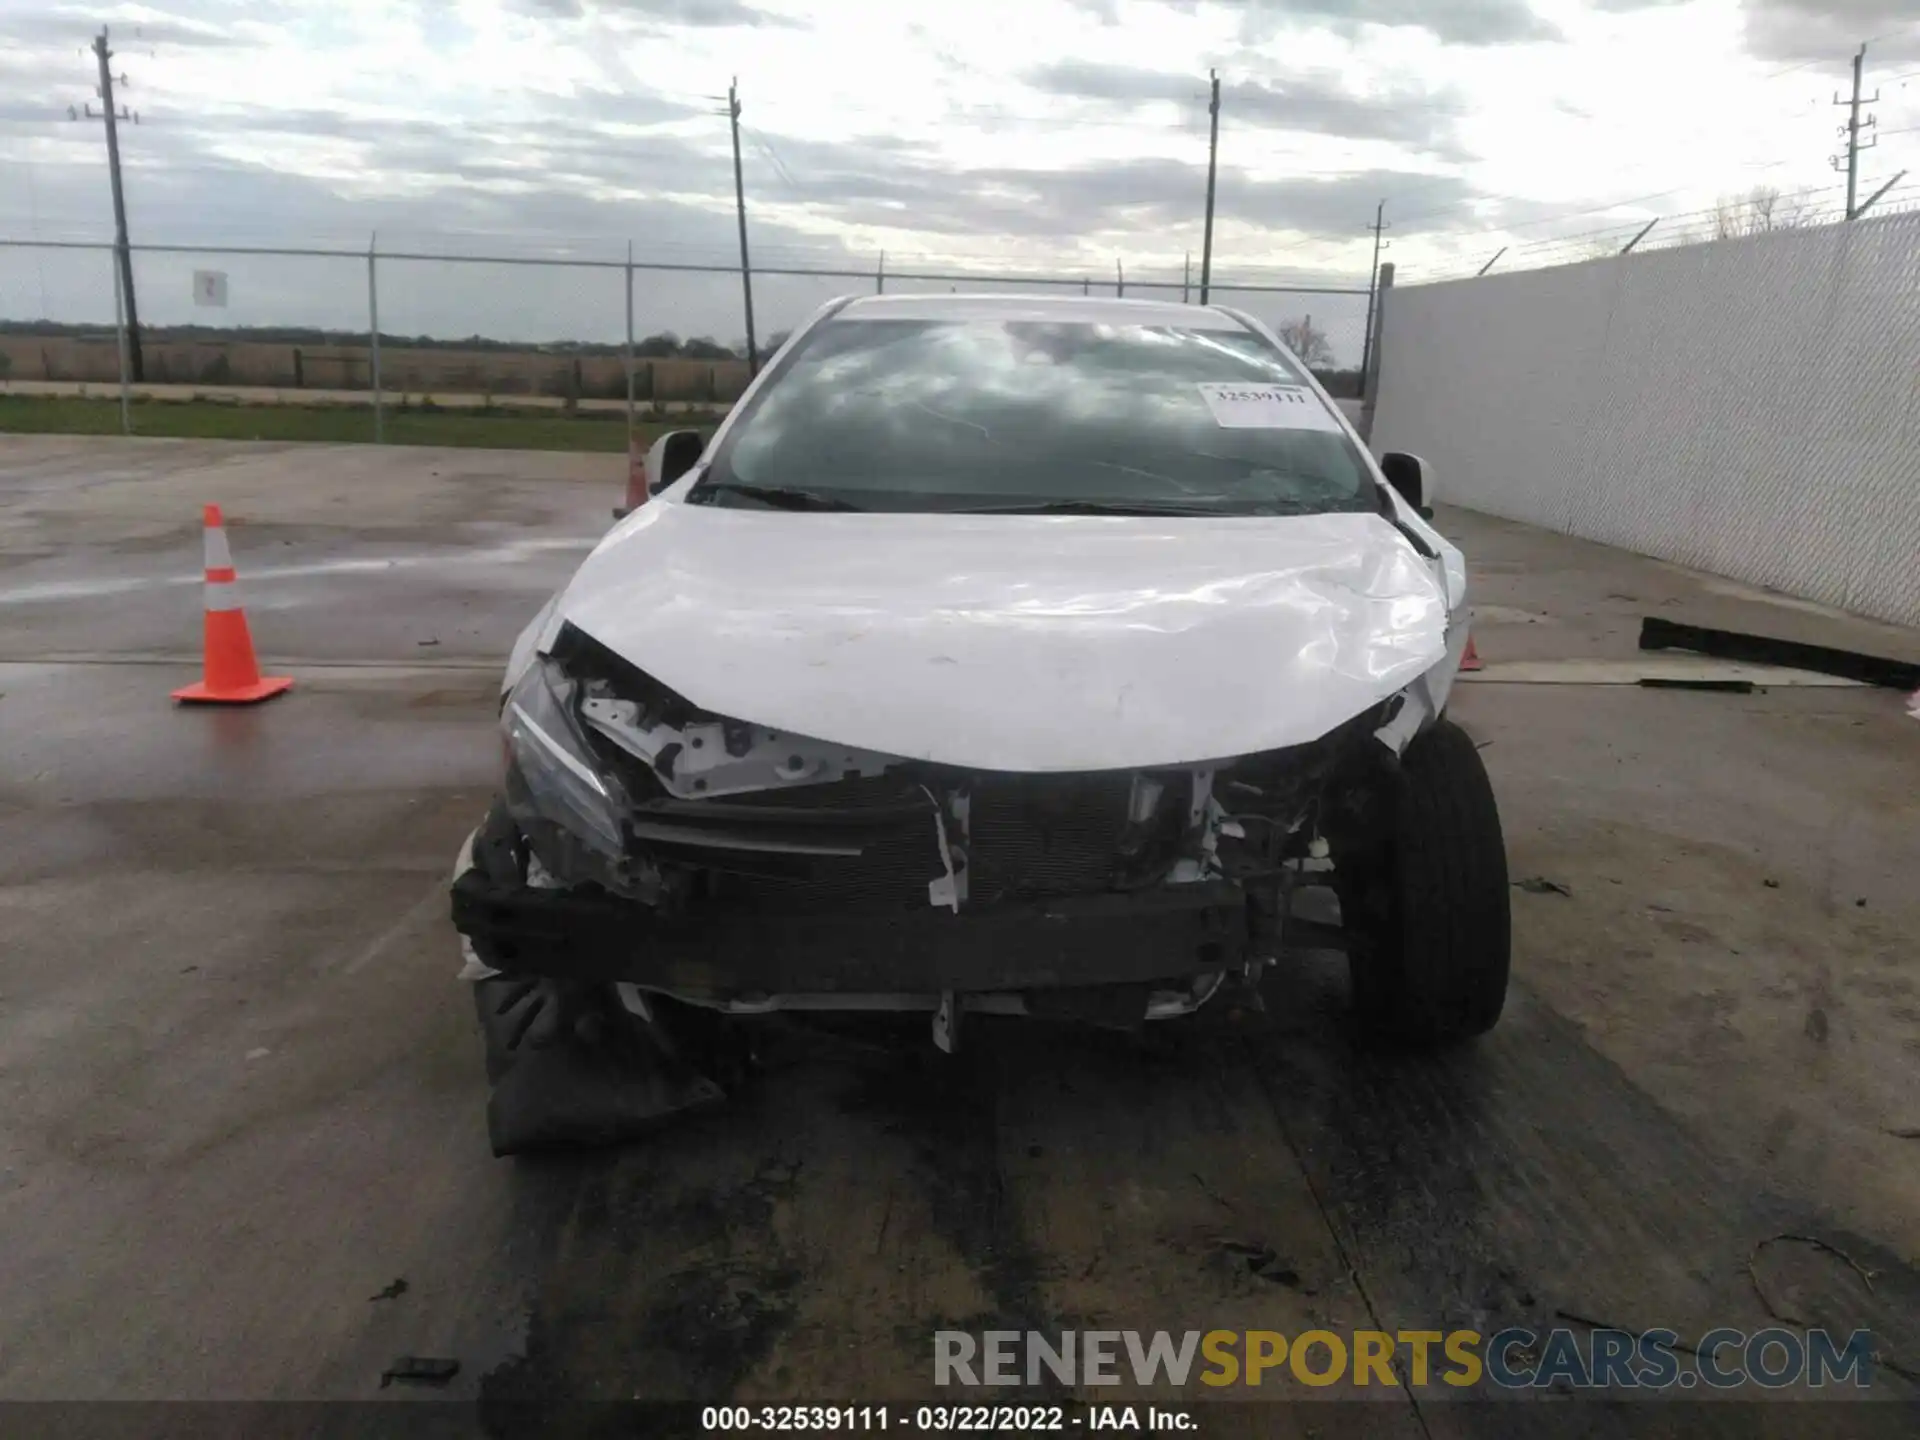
{"x":1760,"y":211}
{"x":664,"y":346}
{"x":1303,"y":336}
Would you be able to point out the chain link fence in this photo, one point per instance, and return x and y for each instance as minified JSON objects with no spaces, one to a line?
{"x":587,"y":331}
{"x":1746,"y":408}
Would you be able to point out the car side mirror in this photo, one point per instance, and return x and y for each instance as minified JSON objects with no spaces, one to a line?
{"x":672,"y":455}
{"x":1412,"y":477}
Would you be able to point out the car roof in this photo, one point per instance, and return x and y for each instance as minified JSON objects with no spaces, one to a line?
{"x":1062,"y":309}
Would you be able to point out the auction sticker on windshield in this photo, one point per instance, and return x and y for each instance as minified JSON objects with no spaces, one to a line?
{"x":1267,"y":407}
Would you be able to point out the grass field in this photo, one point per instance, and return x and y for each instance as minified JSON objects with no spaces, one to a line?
{"x":208,"y":420}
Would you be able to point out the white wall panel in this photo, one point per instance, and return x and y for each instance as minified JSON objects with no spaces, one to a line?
{"x":1750,"y":407}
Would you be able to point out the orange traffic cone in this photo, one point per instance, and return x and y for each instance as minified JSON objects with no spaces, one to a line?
{"x":1471,"y":660}
{"x":232,"y":675}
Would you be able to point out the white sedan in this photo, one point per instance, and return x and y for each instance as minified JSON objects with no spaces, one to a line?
{"x":1002,"y":655}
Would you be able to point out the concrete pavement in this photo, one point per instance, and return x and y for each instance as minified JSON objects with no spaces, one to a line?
{"x":240,"y":1091}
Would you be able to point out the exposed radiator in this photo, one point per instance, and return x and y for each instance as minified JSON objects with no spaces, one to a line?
{"x":1045,"y":834}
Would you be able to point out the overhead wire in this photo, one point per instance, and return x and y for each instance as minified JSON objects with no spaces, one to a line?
{"x":1779,"y":110}
{"x":1131,"y":123}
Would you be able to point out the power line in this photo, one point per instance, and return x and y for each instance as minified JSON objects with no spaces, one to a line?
{"x":894,"y":119}
{"x":766,"y":144}
{"x":1791,"y":69}
{"x":1660,"y":195}
{"x":761,"y":143}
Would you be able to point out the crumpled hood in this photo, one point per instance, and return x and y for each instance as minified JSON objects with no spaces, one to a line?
{"x":1017,"y":643}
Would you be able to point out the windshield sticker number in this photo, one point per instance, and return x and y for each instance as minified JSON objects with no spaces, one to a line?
{"x":1267,"y":407}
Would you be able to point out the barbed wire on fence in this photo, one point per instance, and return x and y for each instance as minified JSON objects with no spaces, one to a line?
{"x":1762,"y":210}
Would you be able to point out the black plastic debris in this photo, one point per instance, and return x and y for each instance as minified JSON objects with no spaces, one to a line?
{"x":1540,"y":885}
{"x":392,"y":1292}
{"x":1657,"y":634}
{"x":419,"y":1370}
{"x":1731,"y":687}
{"x":1262,"y":1262}
{"x":570,"y":1097}
{"x":571,"y":1067}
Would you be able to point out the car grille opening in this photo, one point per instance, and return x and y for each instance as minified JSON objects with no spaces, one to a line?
{"x":1030,"y":837}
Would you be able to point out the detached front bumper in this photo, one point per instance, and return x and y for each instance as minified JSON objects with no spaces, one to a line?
{"x":1169,"y":933}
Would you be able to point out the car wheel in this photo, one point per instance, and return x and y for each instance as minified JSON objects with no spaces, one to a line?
{"x":1429,"y":932}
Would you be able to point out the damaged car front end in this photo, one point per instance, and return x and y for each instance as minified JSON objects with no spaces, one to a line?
{"x":1036,"y":791}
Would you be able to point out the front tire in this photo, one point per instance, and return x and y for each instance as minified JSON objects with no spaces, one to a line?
{"x":1427,"y":916}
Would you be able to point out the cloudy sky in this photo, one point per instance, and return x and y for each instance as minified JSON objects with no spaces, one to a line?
{"x":1055,"y":136}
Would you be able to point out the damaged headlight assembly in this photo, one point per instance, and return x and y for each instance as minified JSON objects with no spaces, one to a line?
{"x":557,"y":789}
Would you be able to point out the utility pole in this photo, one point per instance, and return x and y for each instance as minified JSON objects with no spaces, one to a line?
{"x":1850,"y":132}
{"x":1373,"y":288}
{"x":630,"y":355}
{"x":1119,"y":279}
{"x":373,"y":337}
{"x":1370,"y":382}
{"x":1186,"y":276}
{"x":740,"y":202}
{"x":1213,"y":163}
{"x":124,"y":252}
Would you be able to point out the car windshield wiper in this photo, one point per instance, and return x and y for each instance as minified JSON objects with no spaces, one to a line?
{"x":1391,"y":515}
{"x":777,"y":497}
{"x":1414,"y":537}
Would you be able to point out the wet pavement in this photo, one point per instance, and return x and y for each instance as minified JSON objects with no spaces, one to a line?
{"x":241,"y":1092}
